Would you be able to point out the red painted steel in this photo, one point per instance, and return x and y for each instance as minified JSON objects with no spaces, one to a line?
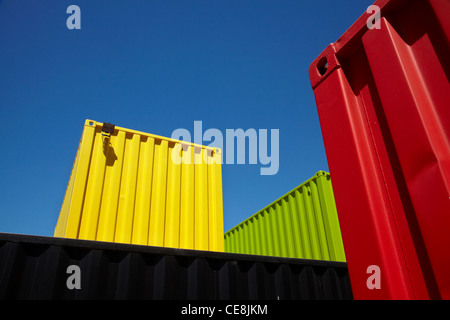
{"x":383,"y":98}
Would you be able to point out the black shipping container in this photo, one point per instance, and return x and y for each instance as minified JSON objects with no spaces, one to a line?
{"x":35,"y":267}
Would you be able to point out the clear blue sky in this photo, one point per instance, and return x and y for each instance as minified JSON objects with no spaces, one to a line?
{"x":156,"y":66}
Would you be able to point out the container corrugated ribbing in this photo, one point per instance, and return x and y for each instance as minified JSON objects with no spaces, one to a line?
{"x":33,"y":267}
{"x":126,"y":187}
{"x":301,"y":224}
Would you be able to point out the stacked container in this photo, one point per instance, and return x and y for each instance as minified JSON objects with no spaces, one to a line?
{"x":301,"y":224}
{"x":383,"y":98}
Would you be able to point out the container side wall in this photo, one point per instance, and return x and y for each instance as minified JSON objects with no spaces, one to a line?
{"x":201,"y":231}
{"x":34,"y":267}
{"x":187,"y":199}
{"x":385,"y":124}
{"x":301,"y":224}
{"x":127,"y":194}
{"x":215,"y":210}
{"x":94,"y":189}
{"x":112,"y":184}
{"x":172,"y":223}
{"x":144,"y":192}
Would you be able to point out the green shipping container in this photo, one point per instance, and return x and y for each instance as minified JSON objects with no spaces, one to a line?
{"x":301,"y":224}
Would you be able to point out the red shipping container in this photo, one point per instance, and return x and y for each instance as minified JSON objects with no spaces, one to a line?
{"x":383,"y":98}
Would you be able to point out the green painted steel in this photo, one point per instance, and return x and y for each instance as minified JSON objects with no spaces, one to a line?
{"x":301,"y":224}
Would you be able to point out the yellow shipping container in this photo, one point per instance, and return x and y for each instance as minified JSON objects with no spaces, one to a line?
{"x":133,"y":187}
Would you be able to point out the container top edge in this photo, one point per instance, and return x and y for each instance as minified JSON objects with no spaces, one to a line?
{"x":143,"y":249}
{"x":91,"y":123}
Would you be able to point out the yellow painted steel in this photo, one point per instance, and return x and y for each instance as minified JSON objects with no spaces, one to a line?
{"x":303,"y":224}
{"x":139,"y":188}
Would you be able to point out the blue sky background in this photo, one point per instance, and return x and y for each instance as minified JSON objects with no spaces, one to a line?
{"x":156,"y":66}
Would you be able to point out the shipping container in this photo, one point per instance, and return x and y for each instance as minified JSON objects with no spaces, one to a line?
{"x":383,"y":97}
{"x":132,"y":187}
{"x":35,"y":267}
{"x":301,"y":224}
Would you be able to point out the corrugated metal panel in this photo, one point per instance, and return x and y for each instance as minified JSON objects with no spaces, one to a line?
{"x":301,"y":224}
{"x":383,"y":98}
{"x":127,"y":188}
{"x":33,"y":267}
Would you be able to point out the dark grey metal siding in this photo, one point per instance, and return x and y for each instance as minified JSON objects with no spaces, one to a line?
{"x":34,"y":267}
